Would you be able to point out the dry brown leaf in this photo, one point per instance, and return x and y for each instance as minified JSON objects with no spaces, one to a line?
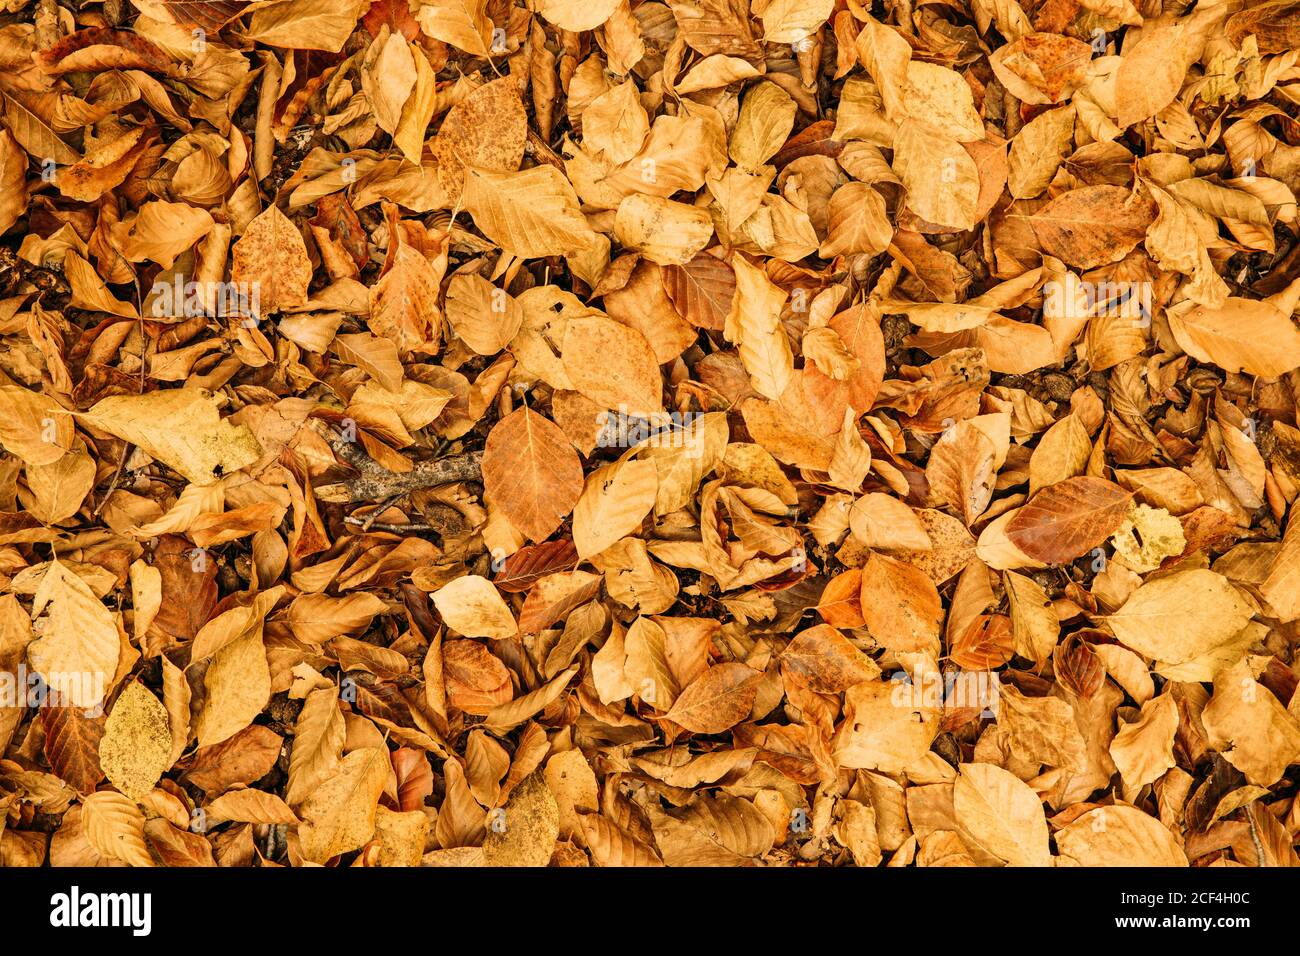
{"x":472,"y":606}
{"x":1119,"y":835}
{"x":827,"y":660}
{"x":182,"y":428}
{"x":900,"y":604}
{"x":1068,"y":519}
{"x":1094,"y":225}
{"x":79,"y":648}
{"x":317,"y":744}
{"x":612,"y":365}
{"x":531,"y":472}
{"x":530,"y":213}
{"x":717,"y":700}
{"x":615,"y":501}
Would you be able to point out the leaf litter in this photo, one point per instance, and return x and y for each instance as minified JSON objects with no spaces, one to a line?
{"x":649,"y":433}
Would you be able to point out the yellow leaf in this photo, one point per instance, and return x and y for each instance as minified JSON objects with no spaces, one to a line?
{"x":575,"y":15}
{"x":530,"y":213}
{"x":615,"y":501}
{"x":13,"y":181}
{"x":1249,"y":727}
{"x":998,"y":813}
{"x":754,"y":324}
{"x":1180,"y":616}
{"x":940,"y":97}
{"x":1247,"y":335}
{"x":316,"y":618}
{"x":182,"y":428}
{"x":307,"y":24}
{"x":1119,"y":835}
{"x":765,"y":121}
{"x":789,"y":21}
{"x":33,"y":426}
{"x":339,"y":816}
{"x":318,"y":738}
{"x":238,"y":683}
{"x":943,"y":182}
{"x":1144,"y":748}
{"x":462,"y":23}
{"x":472,"y":606}
{"x":525,"y":832}
{"x":418,"y":110}
{"x":114,"y":826}
{"x":388,"y":77}
{"x":136,"y":749}
{"x":79,"y":647}
{"x":669,"y":233}
{"x":161,"y":231}
{"x":884,"y":728}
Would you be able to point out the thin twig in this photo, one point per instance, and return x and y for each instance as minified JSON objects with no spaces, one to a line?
{"x":369,"y":520}
{"x":374,"y":482}
{"x":390,"y":526}
{"x":441,"y":519}
{"x":117,"y":475}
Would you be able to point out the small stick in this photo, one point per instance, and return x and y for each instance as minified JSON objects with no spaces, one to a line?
{"x":112,"y":485}
{"x":388,"y":526}
{"x":376,"y":483}
{"x":368,"y":521}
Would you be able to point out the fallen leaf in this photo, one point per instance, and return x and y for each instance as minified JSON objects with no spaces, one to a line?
{"x":531,"y":472}
{"x":136,"y":747}
{"x":1068,"y":519}
{"x":181,"y":428}
{"x":717,"y":700}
